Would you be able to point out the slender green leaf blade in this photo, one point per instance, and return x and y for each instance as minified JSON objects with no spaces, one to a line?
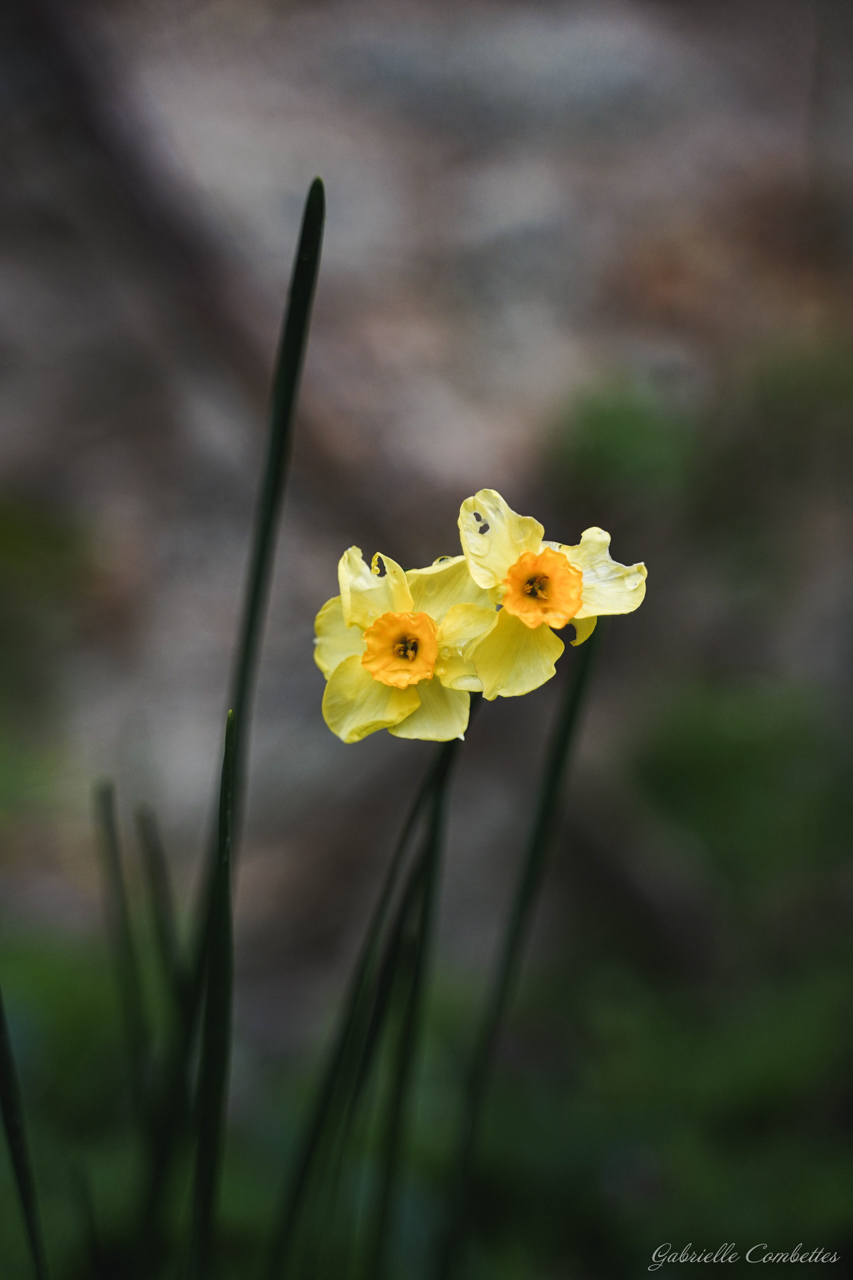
{"x":162,"y":901}
{"x":173,"y":1114}
{"x":13,"y":1121}
{"x":121,"y":936}
{"x":216,"y":1031}
{"x":288,"y":372}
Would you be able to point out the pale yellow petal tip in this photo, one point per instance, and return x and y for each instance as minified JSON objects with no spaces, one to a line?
{"x":634,"y":583}
{"x":608,"y":586}
{"x":584,"y":628}
{"x":351,"y":562}
{"x":366,"y":592}
{"x":494,"y":536}
{"x":596,"y":534}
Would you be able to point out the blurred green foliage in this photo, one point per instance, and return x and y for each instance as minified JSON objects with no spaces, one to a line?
{"x":644,"y":1105}
{"x":623,"y":439}
{"x":753,"y":770}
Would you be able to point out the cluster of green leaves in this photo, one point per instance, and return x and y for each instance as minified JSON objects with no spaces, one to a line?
{"x":179,"y":1095}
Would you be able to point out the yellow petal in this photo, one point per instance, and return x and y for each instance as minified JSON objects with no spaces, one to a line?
{"x":463,"y":627}
{"x":608,"y":587}
{"x":442,"y":715}
{"x":493,"y":536}
{"x":584,"y":628}
{"x":443,"y":585}
{"x":365,"y":595}
{"x":458,"y":673}
{"x":355,"y":704}
{"x":335,"y":640}
{"x":514,"y":659}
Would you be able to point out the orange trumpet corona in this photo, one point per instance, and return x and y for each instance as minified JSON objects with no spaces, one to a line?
{"x":543,"y":588}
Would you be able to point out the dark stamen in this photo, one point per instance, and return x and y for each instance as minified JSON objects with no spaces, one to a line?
{"x":406,"y":647}
{"x":477,"y":516}
{"x":484,"y":528}
{"x":537,"y":586}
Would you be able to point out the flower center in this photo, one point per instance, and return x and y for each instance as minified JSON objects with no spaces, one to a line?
{"x":543,"y":588}
{"x":536,"y":587}
{"x":407,"y":647}
{"x":401,"y":649}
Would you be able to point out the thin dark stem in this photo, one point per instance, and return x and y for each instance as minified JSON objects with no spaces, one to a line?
{"x":121,"y":933}
{"x":512,"y":951}
{"x":392,"y":978}
{"x":347,"y":1041}
{"x":13,"y":1121}
{"x":412,"y":1019}
{"x":216,"y":1031}
{"x":162,"y":902}
{"x":170,"y":1121}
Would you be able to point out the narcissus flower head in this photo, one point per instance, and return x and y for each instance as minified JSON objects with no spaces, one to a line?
{"x":394,"y":648}
{"x":541,"y":586}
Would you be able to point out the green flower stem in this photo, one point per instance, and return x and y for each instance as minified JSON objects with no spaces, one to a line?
{"x":512,"y":952}
{"x":162,"y":903}
{"x":121,"y":934}
{"x":362,"y":1019}
{"x":361,"y":1088}
{"x":13,"y":1121}
{"x":412,"y":1020}
{"x":216,"y":1031}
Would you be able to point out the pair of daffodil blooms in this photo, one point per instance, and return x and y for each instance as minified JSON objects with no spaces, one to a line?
{"x":404,"y":651}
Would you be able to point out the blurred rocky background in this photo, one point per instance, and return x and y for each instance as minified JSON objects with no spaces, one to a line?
{"x":597,"y":256}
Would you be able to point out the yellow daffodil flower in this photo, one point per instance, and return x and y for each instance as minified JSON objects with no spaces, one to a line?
{"x":394,"y":648}
{"x":539,"y":585}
